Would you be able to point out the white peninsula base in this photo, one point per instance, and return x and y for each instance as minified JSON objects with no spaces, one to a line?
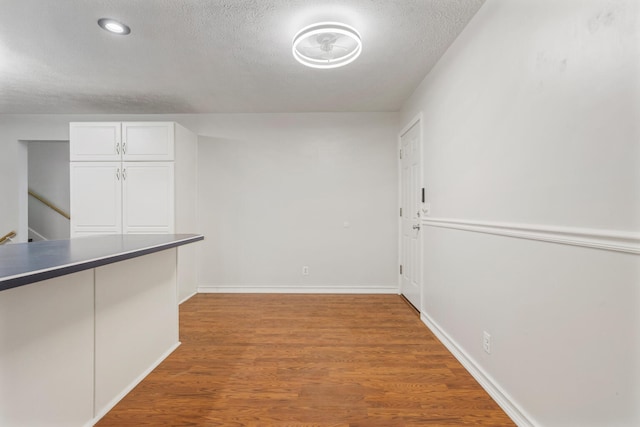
{"x":72,"y":346}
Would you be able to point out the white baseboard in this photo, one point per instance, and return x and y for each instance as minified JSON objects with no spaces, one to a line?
{"x":187,"y":297}
{"x":495,"y":391}
{"x":131,"y":386}
{"x":265,"y":289}
{"x":35,"y":233}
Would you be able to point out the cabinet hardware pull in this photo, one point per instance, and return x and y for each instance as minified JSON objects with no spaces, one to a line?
{"x":124,"y":173}
{"x":117,"y":148}
{"x":118,"y":174}
{"x":124,"y":148}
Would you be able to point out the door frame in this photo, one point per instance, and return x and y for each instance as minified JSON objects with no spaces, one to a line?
{"x":417,"y":119}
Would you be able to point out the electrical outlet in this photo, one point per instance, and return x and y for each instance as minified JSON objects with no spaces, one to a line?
{"x":305,"y":270}
{"x":486,"y":342}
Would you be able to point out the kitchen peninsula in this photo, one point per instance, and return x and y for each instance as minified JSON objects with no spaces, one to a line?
{"x":82,"y":321}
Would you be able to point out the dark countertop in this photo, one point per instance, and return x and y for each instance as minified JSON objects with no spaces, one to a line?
{"x":25,"y":263}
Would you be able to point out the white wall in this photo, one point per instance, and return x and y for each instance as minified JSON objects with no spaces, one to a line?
{"x":186,"y":209}
{"x":14,"y":129}
{"x":48,"y":167}
{"x":292,"y":179}
{"x":531,"y":130}
{"x":279,"y":192}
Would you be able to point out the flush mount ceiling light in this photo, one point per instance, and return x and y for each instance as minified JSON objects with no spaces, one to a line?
{"x":327,"y":45}
{"x":114,"y":26}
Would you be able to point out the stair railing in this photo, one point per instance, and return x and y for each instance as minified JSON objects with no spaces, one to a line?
{"x":7,"y":237}
{"x":48,"y":203}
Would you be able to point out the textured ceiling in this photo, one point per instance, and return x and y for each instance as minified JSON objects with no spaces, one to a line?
{"x":214,"y":56}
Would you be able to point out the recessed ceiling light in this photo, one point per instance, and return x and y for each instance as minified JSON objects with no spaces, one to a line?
{"x":327,"y":45}
{"x":114,"y":26}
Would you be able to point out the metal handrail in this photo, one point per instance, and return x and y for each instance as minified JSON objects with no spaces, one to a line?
{"x":10,"y":235}
{"x":48,"y":204}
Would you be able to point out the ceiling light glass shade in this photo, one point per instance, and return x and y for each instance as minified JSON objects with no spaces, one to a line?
{"x":114,"y":26}
{"x":327,"y":45}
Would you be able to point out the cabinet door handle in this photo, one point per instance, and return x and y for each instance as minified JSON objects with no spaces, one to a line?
{"x":118,"y":174}
{"x":118,"y":148}
{"x":124,"y":173}
{"x":124,"y":148}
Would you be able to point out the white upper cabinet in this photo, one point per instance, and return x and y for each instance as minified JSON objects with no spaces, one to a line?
{"x":98,"y":142}
{"x":147,"y":141}
{"x":121,"y":141}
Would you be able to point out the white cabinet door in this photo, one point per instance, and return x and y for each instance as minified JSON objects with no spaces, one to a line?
{"x":147,"y":141}
{"x":148,"y":197}
{"x":96,"y":198}
{"x":95,"y":141}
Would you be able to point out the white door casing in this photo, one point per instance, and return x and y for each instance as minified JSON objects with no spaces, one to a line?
{"x":410,"y":205}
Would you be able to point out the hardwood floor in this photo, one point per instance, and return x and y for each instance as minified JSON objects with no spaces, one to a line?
{"x":306,"y":361}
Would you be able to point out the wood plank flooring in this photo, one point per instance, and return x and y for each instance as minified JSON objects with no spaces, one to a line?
{"x":306,"y":361}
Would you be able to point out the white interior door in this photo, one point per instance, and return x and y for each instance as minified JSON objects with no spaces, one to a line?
{"x":410,"y":248}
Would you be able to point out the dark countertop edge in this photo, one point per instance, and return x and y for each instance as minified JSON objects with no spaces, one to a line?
{"x":62,"y":270}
